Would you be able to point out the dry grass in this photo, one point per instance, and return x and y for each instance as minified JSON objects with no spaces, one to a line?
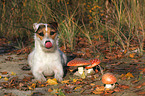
{"x":119,"y":22}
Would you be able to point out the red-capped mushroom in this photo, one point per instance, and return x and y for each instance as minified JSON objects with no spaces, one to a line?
{"x":94,"y":63}
{"x":109,"y":80}
{"x":80,"y":63}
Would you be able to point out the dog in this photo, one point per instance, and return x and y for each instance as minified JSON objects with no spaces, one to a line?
{"x":46,"y":59}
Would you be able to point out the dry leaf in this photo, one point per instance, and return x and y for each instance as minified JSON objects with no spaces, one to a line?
{"x":100,"y":88}
{"x":4,"y":73}
{"x":51,"y":81}
{"x":29,"y":87}
{"x":98,"y":92}
{"x":92,"y":84}
{"x":141,"y":93}
{"x":134,"y":81}
{"x":50,"y":90}
{"x":132,"y":55}
{"x":138,"y":86}
{"x":65,"y":81}
{"x":124,"y":86}
{"x":129,"y":75}
{"x":108,"y":92}
{"x":12,"y":73}
{"x":6,"y":79}
{"x":78,"y":87}
{"x":33,"y":85}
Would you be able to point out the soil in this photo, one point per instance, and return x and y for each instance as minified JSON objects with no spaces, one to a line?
{"x":13,"y":65}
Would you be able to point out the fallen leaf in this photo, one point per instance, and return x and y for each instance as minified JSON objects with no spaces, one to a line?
{"x":6,"y":79}
{"x":138,"y":86}
{"x":78,"y":87}
{"x":141,"y":93}
{"x":50,"y":90}
{"x":97,"y":92}
{"x":12,"y":73}
{"x":27,"y":78}
{"x":75,"y":80}
{"x":33,"y":85}
{"x":92,"y":84}
{"x":51,"y":81}
{"x":123,"y":86}
{"x":4,"y":73}
{"x":129,"y":75}
{"x":125,"y":51}
{"x":143,"y":69}
{"x":132,"y":55}
{"x":117,"y":89}
{"x":29,"y":87}
{"x":134,"y":81}
{"x":65,"y":81}
{"x":100,"y":88}
{"x":108,"y":92}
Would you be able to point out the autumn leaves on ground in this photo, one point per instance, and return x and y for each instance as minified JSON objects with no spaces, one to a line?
{"x":128,"y":72}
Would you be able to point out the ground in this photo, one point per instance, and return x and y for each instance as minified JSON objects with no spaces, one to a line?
{"x":17,"y":80}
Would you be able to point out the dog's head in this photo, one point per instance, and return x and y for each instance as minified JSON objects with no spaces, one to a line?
{"x":46,"y":34}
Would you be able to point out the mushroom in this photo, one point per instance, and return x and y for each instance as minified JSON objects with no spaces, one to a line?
{"x":80,"y":63}
{"x":109,"y":80}
{"x":94,"y":63}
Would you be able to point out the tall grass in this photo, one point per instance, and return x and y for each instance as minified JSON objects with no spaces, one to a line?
{"x":119,"y":22}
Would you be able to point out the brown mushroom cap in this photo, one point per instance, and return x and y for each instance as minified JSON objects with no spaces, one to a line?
{"x":78,"y":62}
{"x":109,"y":78}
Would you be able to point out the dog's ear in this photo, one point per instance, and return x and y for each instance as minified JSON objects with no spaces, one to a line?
{"x":54,"y":25}
{"x":36,"y":26}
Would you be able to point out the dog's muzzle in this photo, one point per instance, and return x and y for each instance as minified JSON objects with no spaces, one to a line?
{"x":48,"y":44}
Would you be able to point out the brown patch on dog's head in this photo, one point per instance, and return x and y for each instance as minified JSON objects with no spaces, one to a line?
{"x":49,"y":29}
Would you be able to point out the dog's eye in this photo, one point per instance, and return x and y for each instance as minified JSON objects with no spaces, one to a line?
{"x":52,"y":33}
{"x":41,"y":34}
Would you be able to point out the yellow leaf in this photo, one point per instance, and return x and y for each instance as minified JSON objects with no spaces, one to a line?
{"x":129,"y":75}
{"x":125,"y":51}
{"x":6,"y":79}
{"x":78,"y":87}
{"x":65,"y":81}
{"x":74,"y":80}
{"x":0,"y":77}
{"x":83,"y":76}
{"x":12,"y":73}
{"x":29,"y":87}
{"x":51,"y":81}
{"x":33,"y":85}
{"x":92,"y":84}
{"x":42,"y":85}
{"x":132,"y":55}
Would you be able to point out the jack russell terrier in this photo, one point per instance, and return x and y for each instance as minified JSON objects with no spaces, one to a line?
{"x":46,"y":59}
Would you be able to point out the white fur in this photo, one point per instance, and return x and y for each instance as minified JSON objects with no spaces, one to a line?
{"x":45,"y":63}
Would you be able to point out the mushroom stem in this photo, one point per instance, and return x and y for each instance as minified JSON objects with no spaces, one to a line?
{"x":109,"y":86}
{"x":90,"y":70}
{"x":80,"y":70}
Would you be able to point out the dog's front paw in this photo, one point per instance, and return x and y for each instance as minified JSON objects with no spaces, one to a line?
{"x":39,"y":76}
{"x":59,"y":78}
{"x":42,"y":79}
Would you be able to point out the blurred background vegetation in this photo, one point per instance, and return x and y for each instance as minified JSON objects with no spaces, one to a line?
{"x":85,"y":26}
